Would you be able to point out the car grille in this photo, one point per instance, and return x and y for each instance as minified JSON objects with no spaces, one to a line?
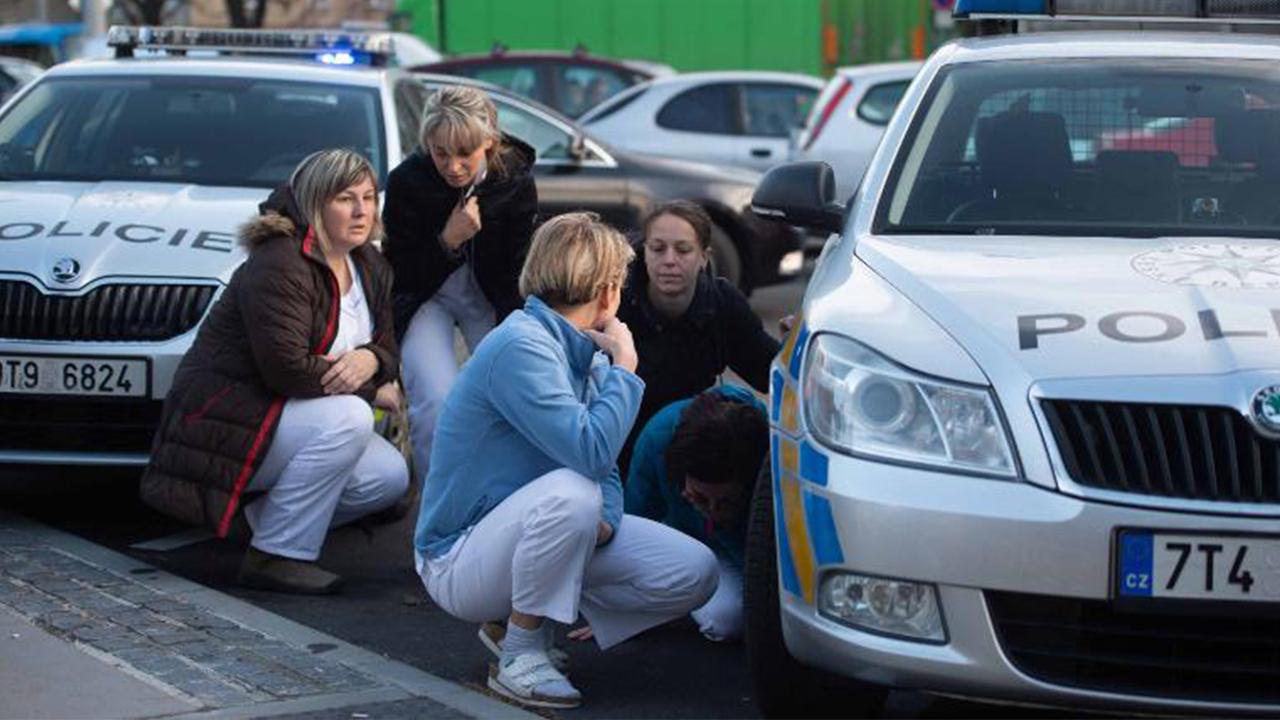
{"x":78,"y":425}
{"x":1183,"y":451}
{"x":1089,"y":644}
{"x":118,"y":312}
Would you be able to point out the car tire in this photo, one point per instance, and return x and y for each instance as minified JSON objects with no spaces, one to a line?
{"x":726,"y":261}
{"x":783,"y":687}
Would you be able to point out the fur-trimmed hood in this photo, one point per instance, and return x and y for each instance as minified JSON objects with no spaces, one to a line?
{"x":278,"y":216}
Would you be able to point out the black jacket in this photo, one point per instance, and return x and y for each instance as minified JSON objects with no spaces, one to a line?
{"x":417,"y":207}
{"x":680,"y":358}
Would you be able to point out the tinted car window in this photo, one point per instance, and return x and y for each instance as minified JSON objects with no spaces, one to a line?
{"x":703,"y":109}
{"x":522,"y":79}
{"x":410,"y":98}
{"x":550,"y":142}
{"x":773,"y":110}
{"x":1106,"y":147}
{"x":881,"y":100}
{"x":582,"y":87}
{"x":207,"y":131}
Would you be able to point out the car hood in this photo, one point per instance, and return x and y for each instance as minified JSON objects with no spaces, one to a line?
{"x":118,"y":228}
{"x":1094,"y":307}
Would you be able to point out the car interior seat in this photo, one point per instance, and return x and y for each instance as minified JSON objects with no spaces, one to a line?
{"x":1024,"y":159}
{"x":1137,"y":186}
{"x":1252,"y":137}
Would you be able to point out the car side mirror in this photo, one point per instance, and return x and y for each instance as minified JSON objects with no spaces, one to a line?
{"x":802,"y":194}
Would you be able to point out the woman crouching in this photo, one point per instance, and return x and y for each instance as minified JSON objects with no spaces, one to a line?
{"x":521,"y":513}
{"x":274,"y":395}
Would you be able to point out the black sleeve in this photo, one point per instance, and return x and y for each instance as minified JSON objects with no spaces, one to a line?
{"x":750,"y":348}
{"x":404,"y":223}
{"x":519,"y":221}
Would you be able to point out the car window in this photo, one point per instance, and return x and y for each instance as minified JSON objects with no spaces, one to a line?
{"x":410,"y":97}
{"x":773,"y":110}
{"x":522,"y":79}
{"x":879,"y":102}
{"x":582,"y":87}
{"x":550,"y":141}
{"x":1102,"y":147}
{"x":702,"y":109}
{"x":207,"y":131}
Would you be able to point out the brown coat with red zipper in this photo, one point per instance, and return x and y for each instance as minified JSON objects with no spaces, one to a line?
{"x":263,"y":343}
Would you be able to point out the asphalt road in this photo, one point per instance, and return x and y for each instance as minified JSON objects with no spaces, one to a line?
{"x":670,"y":672}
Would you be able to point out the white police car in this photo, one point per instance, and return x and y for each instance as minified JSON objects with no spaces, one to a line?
{"x":122,"y":183}
{"x":1026,"y":434}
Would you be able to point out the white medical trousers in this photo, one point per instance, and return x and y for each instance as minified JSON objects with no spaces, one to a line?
{"x":428,"y":363}
{"x":536,"y":553}
{"x":721,"y":618}
{"x":325,"y":467}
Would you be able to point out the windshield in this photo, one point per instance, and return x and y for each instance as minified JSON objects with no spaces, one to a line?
{"x":1126,"y":147}
{"x":206,"y":131}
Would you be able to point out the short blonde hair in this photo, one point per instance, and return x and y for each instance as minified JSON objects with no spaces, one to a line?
{"x":572,"y":258}
{"x":462,"y":118}
{"x":320,"y":177}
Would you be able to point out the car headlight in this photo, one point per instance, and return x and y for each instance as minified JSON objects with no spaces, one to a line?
{"x":859,"y":402}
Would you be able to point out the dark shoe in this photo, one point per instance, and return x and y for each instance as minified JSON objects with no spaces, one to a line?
{"x":264,"y":571}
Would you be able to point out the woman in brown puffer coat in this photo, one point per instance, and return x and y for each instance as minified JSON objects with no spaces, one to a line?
{"x":274,"y":395}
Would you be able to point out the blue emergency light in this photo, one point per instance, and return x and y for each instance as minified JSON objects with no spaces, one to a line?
{"x":340,"y":47}
{"x":1222,"y":11}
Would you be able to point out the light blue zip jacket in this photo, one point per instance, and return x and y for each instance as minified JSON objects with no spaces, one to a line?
{"x":536,"y":396}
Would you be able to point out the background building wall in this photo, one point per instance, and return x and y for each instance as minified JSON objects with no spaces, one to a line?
{"x":812,"y":36}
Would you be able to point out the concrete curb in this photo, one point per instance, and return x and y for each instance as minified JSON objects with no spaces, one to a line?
{"x":404,"y":681}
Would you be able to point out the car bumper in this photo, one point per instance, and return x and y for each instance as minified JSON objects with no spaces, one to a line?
{"x":87,"y":430}
{"x":978,"y":540}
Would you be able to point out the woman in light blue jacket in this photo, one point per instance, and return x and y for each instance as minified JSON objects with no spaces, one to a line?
{"x":521,"y":512}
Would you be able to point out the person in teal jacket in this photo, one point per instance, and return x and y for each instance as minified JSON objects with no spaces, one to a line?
{"x":521,"y":516}
{"x":694,"y":467}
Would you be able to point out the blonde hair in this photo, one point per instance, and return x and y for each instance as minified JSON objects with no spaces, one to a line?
{"x":320,"y":177}
{"x":461,"y":118}
{"x":572,"y":258}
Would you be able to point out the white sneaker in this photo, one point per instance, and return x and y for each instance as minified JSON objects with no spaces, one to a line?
{"x":530,"y":679}
{"x":492,"y":633}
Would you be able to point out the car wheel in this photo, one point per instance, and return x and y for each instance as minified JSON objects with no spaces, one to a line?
{"x":725,"y":260}
{"x":784,"y":687}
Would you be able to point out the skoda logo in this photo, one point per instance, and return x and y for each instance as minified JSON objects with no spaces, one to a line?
{"x":1266,"y":410}
{"x":66,"y":270}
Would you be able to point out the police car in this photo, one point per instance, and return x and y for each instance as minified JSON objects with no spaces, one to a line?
{"x":122,"y":184}
{"x":1026,"y":432}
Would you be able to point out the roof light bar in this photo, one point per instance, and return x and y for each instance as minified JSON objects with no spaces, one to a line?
{"x":377,"y":48}
{"x":1201,"y":11}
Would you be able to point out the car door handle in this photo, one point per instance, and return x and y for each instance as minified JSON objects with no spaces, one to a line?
{"x":761,"y":152}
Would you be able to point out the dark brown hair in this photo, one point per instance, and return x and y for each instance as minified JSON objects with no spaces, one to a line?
{"x":687,"y":211}
{"x":718,"y":440}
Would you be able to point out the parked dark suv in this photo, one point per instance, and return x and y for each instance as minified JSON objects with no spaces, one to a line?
{"x":570,"y":82}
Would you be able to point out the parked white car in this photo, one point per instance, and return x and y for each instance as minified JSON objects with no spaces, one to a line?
{"x":845,"y":124}
{"x":739,"y":118}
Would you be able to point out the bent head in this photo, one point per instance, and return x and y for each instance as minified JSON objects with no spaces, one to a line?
{"x":460,"y":133}
{"x":337,"y":192}
{"x":677,"y":246}
{"x":576,"y":260}
{"x":715,"y":455}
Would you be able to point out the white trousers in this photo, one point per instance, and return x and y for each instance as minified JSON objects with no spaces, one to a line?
{"x":428,"y":363}
{"x":721,"y":618}
{"x":325,"y":467}
{"x":536,"y":553}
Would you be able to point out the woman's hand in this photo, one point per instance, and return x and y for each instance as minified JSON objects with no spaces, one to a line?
{"x":603,"y":533}
{"x":582,"y":634}
{"x":616,"y":340}
{"x":349,"y":371}
{"x":388,"y":397}
{"x":462,"y":225}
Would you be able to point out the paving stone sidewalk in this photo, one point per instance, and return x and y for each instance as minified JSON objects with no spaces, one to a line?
{"x":204,"y":647}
